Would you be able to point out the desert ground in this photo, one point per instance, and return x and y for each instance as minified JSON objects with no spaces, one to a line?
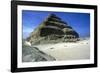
{"x":67,"y":50}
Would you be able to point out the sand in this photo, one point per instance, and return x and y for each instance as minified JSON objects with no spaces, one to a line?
{"x":67,"y":51}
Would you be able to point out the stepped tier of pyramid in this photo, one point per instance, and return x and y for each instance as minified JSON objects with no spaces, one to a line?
{"x":53,"y":30}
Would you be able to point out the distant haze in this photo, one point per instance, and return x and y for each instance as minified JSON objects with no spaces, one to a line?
{"x":80,"y":22}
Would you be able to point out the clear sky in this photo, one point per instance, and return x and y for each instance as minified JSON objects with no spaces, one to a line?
{"x":80,"y":22}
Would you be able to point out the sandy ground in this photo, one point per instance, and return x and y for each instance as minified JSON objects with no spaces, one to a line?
{"x":67,"y":51}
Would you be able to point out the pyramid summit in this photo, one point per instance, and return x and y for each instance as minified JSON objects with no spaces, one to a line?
{"x":53,"y":30}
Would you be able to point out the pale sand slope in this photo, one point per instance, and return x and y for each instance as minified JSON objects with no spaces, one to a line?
{"x":67,"y":51}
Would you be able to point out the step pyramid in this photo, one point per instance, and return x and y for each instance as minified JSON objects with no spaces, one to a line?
{"x":53,"y":30}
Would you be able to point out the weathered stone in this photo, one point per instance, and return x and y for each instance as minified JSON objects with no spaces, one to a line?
{"x":53,"y":30}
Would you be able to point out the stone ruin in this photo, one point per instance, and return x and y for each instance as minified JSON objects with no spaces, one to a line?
{"x":53,"y":30}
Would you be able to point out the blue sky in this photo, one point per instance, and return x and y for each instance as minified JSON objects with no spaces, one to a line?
{"x":80,"y":22}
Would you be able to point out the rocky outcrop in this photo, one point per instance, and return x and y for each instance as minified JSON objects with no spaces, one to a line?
{"x":53,"y":30}
{"x":33,"y":54}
